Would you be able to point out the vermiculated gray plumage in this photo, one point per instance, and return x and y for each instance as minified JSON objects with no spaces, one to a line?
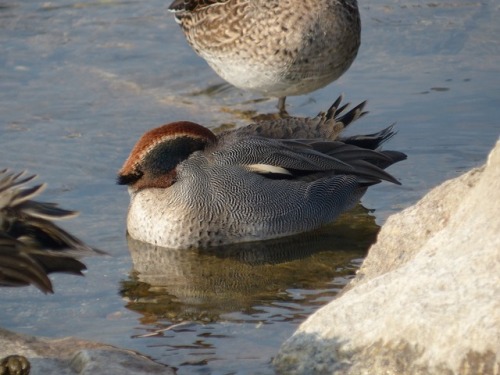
{"x":265,"y":180}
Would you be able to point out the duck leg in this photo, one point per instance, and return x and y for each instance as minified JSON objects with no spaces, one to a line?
{"x":282,"y":106}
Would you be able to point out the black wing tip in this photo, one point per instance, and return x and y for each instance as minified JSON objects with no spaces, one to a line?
{"x":371,"y":141}
{"x":336,"y":111}
{"x":395,"y":156}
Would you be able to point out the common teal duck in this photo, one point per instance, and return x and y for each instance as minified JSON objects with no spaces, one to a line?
{"x":276,"y":48}
{"x":31,"y":245}
{"x":192,"y":188}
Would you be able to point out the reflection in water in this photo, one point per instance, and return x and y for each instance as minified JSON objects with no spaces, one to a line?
{"x":201,"y":285}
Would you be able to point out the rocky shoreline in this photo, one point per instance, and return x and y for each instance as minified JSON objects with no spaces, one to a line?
{"x":425,"y":301}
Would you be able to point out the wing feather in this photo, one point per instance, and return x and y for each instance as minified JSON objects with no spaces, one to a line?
{"x":303,"y":157}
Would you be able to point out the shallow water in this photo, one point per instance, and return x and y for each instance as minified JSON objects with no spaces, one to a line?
{"x":81,"y":81}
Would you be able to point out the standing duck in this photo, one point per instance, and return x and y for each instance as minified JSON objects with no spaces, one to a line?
{"x":191,"y":188}
{"x":275,"y":48}
{"x":31,"y":245}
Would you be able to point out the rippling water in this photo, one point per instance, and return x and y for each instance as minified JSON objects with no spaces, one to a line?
{"x":81,"y":81}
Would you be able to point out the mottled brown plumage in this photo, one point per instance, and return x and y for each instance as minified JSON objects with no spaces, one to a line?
{"x":31,"y":245}
{"x":273,"y":47}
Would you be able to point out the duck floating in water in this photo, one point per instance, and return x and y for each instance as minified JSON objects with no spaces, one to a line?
{"x":191,"y":188}
{"x":31,"y":245}
{"x":273,"y":47}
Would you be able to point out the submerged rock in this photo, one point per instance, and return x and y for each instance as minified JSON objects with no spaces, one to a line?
{"x":427,"y":298}
{"x":70,"y":356}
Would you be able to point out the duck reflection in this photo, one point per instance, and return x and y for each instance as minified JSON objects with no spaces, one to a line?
{"x":200,"y":285}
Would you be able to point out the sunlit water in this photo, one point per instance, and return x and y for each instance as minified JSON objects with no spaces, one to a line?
{"x":81,"y":81}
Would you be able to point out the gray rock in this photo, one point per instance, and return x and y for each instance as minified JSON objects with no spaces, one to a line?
{"x":427,"y":298}
{"x":70,"y":356}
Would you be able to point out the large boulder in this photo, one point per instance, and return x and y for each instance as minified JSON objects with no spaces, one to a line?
{"x":427,"y":298}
